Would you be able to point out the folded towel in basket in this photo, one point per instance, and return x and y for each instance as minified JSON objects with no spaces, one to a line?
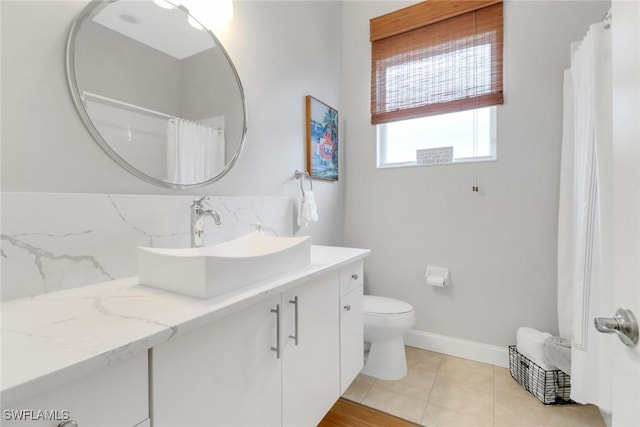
{"x":557,"y":352}
{"x":530,"y":343}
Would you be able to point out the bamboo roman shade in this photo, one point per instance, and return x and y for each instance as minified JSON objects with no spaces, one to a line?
{"x":436,"y":57}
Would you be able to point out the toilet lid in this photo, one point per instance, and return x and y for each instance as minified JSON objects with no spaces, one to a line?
{"x":382,"y":305}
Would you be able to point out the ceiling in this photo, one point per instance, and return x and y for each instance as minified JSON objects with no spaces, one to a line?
{"x":166,"y":30}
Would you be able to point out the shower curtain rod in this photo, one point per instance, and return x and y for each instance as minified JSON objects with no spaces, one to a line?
{"x":86,"y":94}
{"x":126,"y":104}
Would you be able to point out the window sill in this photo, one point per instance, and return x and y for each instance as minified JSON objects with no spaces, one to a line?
{"x":456,"y":162}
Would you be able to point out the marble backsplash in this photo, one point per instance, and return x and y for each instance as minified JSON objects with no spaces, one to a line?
{"x":54,"y":241}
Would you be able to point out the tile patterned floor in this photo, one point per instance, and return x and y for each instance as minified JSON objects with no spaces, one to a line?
{"x":446,"y":391}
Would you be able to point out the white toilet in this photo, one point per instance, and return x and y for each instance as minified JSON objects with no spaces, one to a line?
{"x":385,"y":322}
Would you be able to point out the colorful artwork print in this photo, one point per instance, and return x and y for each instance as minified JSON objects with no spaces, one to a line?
{"x":322,"y":140}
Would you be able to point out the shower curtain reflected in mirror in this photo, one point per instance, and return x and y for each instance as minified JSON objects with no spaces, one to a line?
{"x":195,"y":151}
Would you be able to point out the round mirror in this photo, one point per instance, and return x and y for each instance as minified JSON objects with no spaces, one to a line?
{"x":157,"y":91}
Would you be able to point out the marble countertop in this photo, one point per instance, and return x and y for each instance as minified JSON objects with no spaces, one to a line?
{"x":51,"y":339}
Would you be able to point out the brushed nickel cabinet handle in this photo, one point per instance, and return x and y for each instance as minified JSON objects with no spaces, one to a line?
{"x":295,"y":303}
{"x":276,"y":311}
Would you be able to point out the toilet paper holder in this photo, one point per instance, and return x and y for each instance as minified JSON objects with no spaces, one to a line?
{"x":437,"y":276}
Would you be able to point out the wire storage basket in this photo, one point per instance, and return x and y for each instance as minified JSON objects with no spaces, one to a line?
{"x":550,"y":387}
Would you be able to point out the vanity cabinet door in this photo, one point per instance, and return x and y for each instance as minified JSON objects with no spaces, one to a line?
{"x":351,"y":323}
{"x":351,"y":337}
{"x":116,"y":396}
{"x":310,"y":370}
{"x":223,"y":374}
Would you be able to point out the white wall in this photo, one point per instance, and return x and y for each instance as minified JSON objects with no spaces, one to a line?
{"x":500,"y":243}
{"x":282,"y":50}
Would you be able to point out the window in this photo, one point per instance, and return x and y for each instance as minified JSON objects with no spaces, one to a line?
{"x":436,"y":75}
{"x":471,"y":133}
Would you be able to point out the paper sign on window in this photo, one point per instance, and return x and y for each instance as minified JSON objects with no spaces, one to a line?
{"x":434,"y":156}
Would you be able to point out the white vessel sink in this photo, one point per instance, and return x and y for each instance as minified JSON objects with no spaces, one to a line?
{"x":213,"y":270}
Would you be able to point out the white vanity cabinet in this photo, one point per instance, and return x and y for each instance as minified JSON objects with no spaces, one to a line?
{"x":228,"y":374}
{"x":114,"y":396}
{"x":222,"y":374}
{"x":118,"y":354}
{"x":351,"y":324}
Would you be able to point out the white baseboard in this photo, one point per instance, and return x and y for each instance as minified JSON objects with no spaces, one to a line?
{"x":480,"y":352}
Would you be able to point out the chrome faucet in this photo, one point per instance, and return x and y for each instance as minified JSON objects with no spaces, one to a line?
{"x":198,"y":213}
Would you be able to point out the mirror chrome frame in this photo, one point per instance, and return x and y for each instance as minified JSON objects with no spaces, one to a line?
{"x":72,"y":84}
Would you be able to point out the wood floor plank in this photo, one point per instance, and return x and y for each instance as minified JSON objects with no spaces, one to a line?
{"x":346,"y":413}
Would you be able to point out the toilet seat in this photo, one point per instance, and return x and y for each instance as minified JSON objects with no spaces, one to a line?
{"x":382,"y":306}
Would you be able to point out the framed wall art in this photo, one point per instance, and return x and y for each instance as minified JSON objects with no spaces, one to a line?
{"x":322,"y":140}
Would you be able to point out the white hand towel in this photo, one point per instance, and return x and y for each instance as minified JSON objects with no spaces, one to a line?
{"x":307,"y":209}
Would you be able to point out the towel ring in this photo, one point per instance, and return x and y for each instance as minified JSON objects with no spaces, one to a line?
{"x":301,"y":176}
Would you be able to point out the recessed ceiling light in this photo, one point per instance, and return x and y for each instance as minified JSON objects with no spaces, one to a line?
{"x":164,"y":4}
{"x":127,"y":17}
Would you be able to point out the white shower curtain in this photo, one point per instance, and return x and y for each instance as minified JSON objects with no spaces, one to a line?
{"x":195,"y":152}
{"x":584,"y":222}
